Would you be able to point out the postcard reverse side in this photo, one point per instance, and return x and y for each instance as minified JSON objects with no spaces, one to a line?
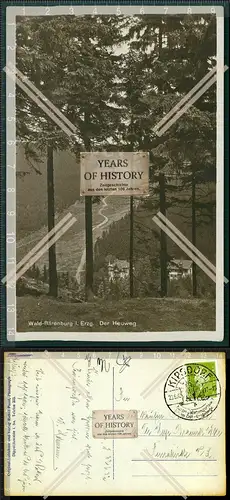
{"x":80,"y":423}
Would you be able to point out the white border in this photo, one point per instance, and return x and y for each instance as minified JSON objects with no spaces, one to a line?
{"x":12,"y":334}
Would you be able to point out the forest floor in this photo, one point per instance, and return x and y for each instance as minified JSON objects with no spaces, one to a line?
{"x":149,"y":314}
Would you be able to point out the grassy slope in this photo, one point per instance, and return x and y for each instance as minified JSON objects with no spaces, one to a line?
{"x":150,"y":314}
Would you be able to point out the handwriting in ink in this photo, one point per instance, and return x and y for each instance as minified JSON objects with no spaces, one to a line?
{"x":123,"y":361}
{"x":121,"y":396}
{"x":105,"y":365}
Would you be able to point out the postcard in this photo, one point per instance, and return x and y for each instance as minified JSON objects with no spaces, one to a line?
{"x":115,"y":173}
{"x":124,"y":423}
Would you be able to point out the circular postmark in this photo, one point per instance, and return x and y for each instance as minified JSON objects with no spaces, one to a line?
{"x":192,"y":391}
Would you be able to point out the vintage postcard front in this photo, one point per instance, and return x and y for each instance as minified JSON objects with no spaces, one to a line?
{"x":115,"y":173}
{"x":79,"y":423}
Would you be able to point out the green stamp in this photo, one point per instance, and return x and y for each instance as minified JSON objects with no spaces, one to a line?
{"x":202,"y":383}
{"x":192,"y":391}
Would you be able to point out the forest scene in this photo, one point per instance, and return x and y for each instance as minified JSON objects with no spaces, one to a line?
{"x":115,"y":78}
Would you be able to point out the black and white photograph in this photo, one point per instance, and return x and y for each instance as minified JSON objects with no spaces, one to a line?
{"x":118,"y":172}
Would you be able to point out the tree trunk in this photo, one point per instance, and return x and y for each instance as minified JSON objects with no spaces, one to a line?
{"x":131,"y":249}
{"x":88,"y":227}
{"x":194,"y":266}
{"x":89,"y":247}
{"x":53,"y":281}
{"x":163,"y":240}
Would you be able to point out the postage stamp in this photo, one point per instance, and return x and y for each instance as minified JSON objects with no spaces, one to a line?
{"x":115,"y":424}
{"x":192,"y":391}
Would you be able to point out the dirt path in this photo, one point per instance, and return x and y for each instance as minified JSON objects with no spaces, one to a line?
{"x":70,"y":248}
{"x":82,"y":261}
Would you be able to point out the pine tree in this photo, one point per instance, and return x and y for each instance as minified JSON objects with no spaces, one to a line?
{"x":183,"y":52}
{"x":60,"y":50}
